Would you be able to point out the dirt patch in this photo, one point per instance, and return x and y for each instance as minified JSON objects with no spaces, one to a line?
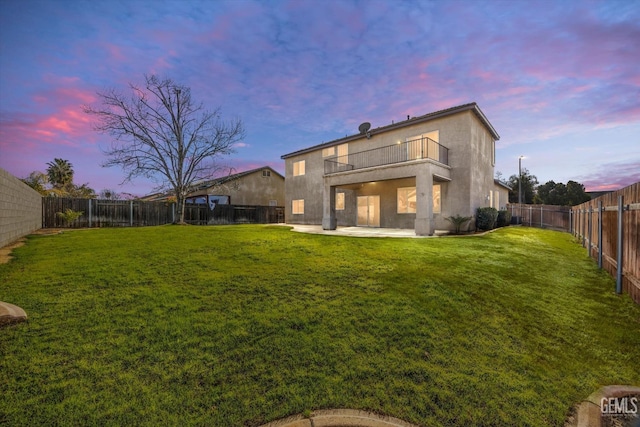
{"x":5,"y":252}
{"x":48,"y":231}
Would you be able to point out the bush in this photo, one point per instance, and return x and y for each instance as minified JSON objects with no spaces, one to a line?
{"x":458,"y":221}
{"x":486,"y":218}
{"x":69,"y":215}
{"x":504,"y":218}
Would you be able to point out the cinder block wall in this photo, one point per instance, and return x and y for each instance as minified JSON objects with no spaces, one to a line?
{"x":20,"y":208}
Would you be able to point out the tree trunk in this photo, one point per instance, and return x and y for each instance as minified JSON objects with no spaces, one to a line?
{"x":180,"y":200}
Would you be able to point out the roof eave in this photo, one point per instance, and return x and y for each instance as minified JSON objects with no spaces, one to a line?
{"x":502,"y":184}
{"x":420,"y":119}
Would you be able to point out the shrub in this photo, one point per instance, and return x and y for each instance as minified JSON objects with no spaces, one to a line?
{"x":486,"y":218}
{"x":504,"y":218}
{"x":69,"y":215}
{"x":458,"y":221}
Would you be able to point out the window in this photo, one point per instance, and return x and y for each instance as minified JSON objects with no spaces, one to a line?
{"x":437,"y":200}
{"x":424,"y":146}
{"x":266,"y":173}
{"x":494,"y":199}
{"x":407,"y":200}
{"x":493,"y":152}
{"x":297,"y":206}
{"x":200,"y":200}
{"x":218,"y":200}
{"x":343,"y":153}
{"x":326,"y":152}
{"x":298,"y":168}
{"x":339,"y":201}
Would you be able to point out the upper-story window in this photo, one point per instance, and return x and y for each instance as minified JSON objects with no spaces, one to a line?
{"x":424,"y":146}
{"x":266,"y":173}
{"x":298,"y":168}
{"x":330,"y":151}
{"x":343,"y":153}
{"x":493,"y":151}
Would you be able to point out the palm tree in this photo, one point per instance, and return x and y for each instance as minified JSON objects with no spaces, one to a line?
{"x":60,"y":173}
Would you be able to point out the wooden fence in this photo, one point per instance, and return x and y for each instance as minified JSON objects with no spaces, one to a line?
{"x":541,"y":216}
{"x":105,"y":213}
{"x":133,"y":213}
{"x":609,"y":227}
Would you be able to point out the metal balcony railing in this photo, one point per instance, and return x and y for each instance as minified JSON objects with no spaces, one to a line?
{"x":422,"y":148}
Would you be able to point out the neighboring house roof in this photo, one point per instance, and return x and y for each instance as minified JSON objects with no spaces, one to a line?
{"x":411,"y":121}
{"x":204,"y":184}
{"x":502,"y":184}
{"x":201,"y":185}
{"x":596,"y":194}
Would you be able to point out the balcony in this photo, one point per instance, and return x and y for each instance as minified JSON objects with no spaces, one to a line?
{"x":422,"y":148}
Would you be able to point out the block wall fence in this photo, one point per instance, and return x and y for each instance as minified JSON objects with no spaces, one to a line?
{"x":20,"y":209}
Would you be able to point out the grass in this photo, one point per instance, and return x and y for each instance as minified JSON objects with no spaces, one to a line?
{"x":242,"y":325}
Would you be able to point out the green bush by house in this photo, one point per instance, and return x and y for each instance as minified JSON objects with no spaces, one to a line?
{"x":504,"y":218}
{"x":486,"y":218}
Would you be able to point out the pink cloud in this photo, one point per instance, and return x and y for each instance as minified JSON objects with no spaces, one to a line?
{"x":115,"y":52}
{"x":58,"y":121}
{"x":613,"y":176}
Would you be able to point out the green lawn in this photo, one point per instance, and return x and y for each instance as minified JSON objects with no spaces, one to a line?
{"x":241,"y":325}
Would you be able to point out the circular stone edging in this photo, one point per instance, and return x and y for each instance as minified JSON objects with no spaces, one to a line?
{"x":589,"y":413}
{"x":10,"y":314}
{"x":340,"y":418}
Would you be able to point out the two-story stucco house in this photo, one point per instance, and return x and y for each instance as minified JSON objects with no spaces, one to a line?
{"x":409,"y":174}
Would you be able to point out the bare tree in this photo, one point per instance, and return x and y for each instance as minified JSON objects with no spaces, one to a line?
{"x":109,"y":194}
{"x":161,"y":134}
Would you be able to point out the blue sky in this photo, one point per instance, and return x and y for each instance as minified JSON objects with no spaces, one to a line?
{"x":559,"y":80}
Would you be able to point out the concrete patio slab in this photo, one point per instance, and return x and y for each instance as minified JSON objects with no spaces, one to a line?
{"x":359,"y":231}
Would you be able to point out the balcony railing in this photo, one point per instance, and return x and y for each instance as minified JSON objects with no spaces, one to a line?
{"x":422,"y":148}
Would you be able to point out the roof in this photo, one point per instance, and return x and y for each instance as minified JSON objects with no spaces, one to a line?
{"x":473,"y":107}
{"x":201,"y":185}
{"x":502,"y":184}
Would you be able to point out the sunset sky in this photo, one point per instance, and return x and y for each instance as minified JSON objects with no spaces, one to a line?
{"x":559,"y":80}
